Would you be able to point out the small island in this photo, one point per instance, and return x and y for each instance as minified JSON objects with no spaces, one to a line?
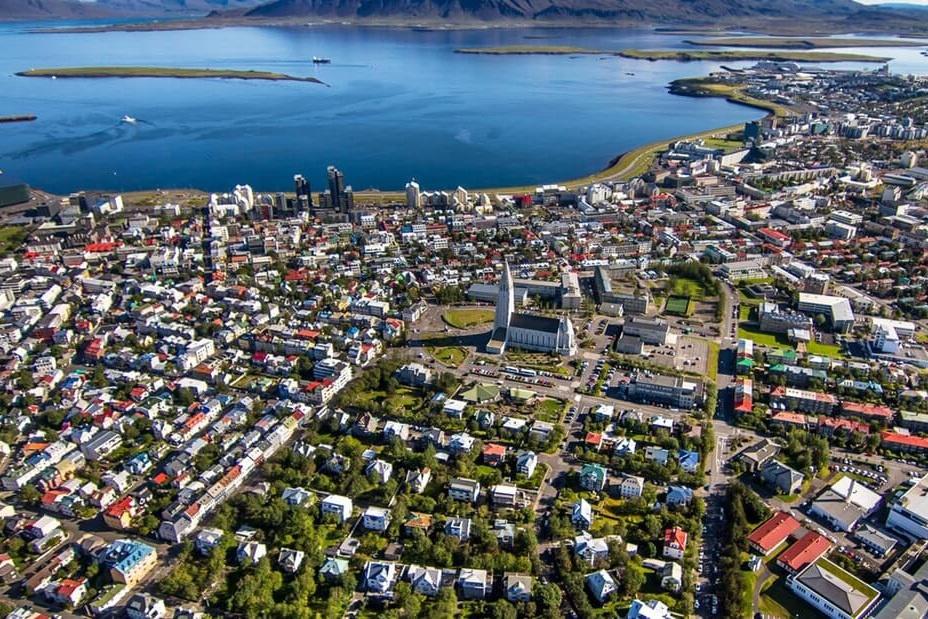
{"x":803,"y":42}
{"x":18,"y":118}
{"x":520,"y":50}
{"x":164,"y":72}
{"x":678,"y":55}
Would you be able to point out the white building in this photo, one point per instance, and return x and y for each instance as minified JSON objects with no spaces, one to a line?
{"x":338,"y":505}
{"x":832,"y":591}
{"x":527,"y":331}
{"x":631,"y":487}
{"x":909,"y":514}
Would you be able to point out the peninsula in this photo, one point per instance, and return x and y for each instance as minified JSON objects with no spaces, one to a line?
{"x":169,"y":72}
{"x":803,"y":42}
{"x":779,"y":56}
{"x":678,"y":55}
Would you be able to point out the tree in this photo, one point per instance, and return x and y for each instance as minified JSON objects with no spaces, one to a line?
{"x":147,"y":524}
{"x":548,"y":600}
{"x":502,"y":609}
{"x":446,"y":605}
{"x":632,"y":580}
{"x":30,"y":495}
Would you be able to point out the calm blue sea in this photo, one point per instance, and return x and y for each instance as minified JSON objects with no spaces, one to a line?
{"x":399,"y":104}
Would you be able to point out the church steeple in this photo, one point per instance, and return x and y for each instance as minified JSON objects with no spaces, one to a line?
{"x":505,"y":300}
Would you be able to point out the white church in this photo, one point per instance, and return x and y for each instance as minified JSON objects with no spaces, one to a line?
{"x":527,"y":331}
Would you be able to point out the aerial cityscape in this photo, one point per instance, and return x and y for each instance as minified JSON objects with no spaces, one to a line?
{"x":299,"y":317}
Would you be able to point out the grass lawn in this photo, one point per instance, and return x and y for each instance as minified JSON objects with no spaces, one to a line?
{"x":726,"y":144}
{"x":777,"y":600}
{"x":467,"y":318}
{"x":826,"y":350}
{"x":11,"y":237}
{"x":534,"y":481}
{"x":550,"y":410}
{"x":770,"y":340}
{"x":452,"y":356}
{"x":747,"y":594}
{"x":712,"y":360}
{"x":679,"y":306}
{"x":685,"y":287}
{"x":403,"y":399}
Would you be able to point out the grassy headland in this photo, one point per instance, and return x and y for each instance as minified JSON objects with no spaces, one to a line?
{"x":679,"y":55}
{"x":803,"y":42}
{"x":169,"y":72}
{"x":709,"y":87}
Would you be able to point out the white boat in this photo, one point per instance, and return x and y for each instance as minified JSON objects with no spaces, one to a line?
{"x":318,"y":60}
{"x":129,"y":119}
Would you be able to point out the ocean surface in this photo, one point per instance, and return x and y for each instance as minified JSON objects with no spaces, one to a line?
{"x":399,"y":104}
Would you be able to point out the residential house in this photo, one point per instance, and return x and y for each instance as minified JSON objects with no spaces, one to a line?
{"x":290,"y":560}
{"x":376,"y":518}
{"x":518,"y":587}
{"x":631,"y":486}
{"x":338,"y":506}
{"x":380,"y":576}
{"x":592,"y":477}
{"x":526,"y":463}
{"x":473,"y":584}
{"x":679,"y":495}
{"x":424,"y":580}
{"x":601,"y":585}
{"x":463,"y":489}
{"x":780,"y":477}
{"x":674,"y":543}
{"x":458,"y":528}
{"x":582,"y":514}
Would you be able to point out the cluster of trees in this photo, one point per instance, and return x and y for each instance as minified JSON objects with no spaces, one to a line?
{"x":482,"y":551}
{"x":697,"y":272}
{"x":806,"y":451}
{"x":258,"y":590}
{"x":743,"y":508}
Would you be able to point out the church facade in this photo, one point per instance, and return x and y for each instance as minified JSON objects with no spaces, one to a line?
{"x":528,"y":331}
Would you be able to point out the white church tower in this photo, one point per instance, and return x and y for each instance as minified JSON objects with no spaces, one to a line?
{"x":505,"y":300}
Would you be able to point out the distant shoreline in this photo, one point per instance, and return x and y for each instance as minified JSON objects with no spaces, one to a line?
{"x":162,"y":72}
{"x":771,"y":28}
{"x":802,"y":42}
{"x":673,"y":55}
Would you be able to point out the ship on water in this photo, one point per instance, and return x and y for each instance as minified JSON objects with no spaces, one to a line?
{"x":318,"y":60}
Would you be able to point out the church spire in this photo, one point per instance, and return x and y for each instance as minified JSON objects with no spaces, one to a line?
{"x":505,"y":299}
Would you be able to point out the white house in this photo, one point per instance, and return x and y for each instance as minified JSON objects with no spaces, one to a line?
{"x":526,"y":463}
{"x":582,"y":514}
{"x":601,"y":585}
{"x":338,"y":505}
{"x":631,"y":487}
{"x":376,"y":518}
{"x":380,"y":576}
{"x":424,"y":580}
